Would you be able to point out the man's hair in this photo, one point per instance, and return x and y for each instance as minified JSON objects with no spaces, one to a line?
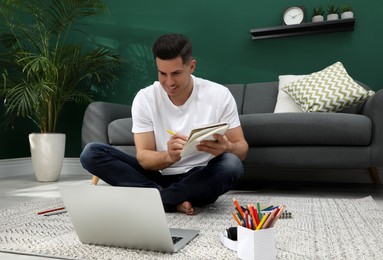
{"x":170,"y":46}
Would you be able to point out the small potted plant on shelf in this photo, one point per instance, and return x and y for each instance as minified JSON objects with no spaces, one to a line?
{"x":318,"y":14}
{"x":346,"y":12}
{"x":332,"y":13}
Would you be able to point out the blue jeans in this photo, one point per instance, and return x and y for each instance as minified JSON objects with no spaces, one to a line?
{"x":201,"y":185}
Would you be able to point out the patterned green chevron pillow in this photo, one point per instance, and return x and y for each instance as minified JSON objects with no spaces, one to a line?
{"x":328,"y":90}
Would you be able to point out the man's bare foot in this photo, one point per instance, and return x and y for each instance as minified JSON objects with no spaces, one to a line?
{"x":186,"y":207}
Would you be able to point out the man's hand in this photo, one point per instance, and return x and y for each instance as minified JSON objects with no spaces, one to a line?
{"x":217,"y":147}
{"x":175,"y":145}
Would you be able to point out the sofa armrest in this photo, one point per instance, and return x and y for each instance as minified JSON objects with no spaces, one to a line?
{"x":97,"y":117}
{"x":373,"y":108}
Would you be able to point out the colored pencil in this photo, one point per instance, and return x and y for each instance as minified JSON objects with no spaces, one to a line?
{"x":238,"y":208}
{"x":49,"y":210}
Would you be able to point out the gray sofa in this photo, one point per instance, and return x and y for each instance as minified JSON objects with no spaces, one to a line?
{"x":351,"y":139}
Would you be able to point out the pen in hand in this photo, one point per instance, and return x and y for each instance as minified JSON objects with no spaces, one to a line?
{"x":170,"y":132}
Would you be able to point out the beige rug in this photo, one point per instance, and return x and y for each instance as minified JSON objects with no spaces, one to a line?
{"x":320,"y":229}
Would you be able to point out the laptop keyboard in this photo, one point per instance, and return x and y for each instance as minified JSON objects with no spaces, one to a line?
{"x":176,"y":239}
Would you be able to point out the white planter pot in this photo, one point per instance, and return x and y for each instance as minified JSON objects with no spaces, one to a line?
{"x":331,"y":17}
{"x":47,"y":151}
{"x":346,"y":15}
{"x":318,"y":18}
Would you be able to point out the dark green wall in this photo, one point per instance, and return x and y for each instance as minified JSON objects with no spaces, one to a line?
{"x":220,"y":31}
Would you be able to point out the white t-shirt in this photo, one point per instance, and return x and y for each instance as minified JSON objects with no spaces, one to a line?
{"x":152,"y":111}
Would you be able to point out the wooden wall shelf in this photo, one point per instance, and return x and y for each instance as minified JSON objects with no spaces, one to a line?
{"x":340,"y":25}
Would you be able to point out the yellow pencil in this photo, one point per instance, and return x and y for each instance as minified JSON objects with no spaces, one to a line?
{"x":170,"y":132}
{"x":262,"y":221}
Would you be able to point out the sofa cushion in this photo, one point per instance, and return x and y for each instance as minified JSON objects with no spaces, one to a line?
{"x":260,"y":97}
{"x":120,"y":132}
{"x":238,"y":92}
{"x":281,"y":129}
{"x":328,"y":90}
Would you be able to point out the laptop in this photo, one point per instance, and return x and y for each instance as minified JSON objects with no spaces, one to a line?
{"x":122,"y":217}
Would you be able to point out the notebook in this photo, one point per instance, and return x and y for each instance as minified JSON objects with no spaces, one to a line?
{"x":122,"y":217}
{"x":202,"y":133}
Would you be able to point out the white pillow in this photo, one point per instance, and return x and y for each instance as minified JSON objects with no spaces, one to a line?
{"x":284,"y":102}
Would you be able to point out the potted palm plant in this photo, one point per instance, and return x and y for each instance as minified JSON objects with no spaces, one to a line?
{"x":45,"y":68}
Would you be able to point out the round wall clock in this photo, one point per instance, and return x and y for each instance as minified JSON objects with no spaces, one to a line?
{"x":293,"y":15}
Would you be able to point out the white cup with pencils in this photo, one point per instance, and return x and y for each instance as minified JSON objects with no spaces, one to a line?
{"x":256,"y":232}
{"x":256,"y":244}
